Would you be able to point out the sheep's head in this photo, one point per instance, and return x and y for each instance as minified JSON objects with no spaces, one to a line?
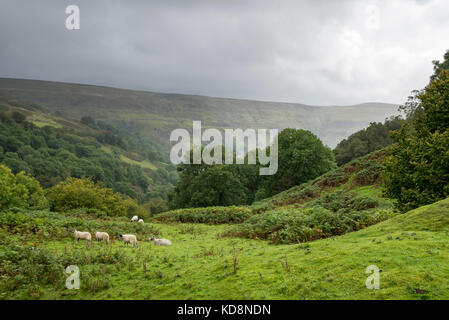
{"x":120,"y":236}
{"x":151,"y":238}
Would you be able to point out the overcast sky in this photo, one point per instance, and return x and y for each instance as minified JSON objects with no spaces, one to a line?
{"x":312,"y":52}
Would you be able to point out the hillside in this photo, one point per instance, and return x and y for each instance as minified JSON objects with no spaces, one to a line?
{"x":154,"y":115}
{"x":361,"y":175}
{"x":52,"y":148}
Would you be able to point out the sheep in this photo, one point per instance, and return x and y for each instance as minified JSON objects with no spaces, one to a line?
{"x":160,"y":242}
{"x":82,"y":235}
{"x":129,"y":238}
{"x":134,"y":219}
{"x":102,"y":236}
{"x":140,"y":221}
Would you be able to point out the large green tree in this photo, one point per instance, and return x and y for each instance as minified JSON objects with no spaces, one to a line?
{"x":301,"y":157}
{"x":203,"y":185}
{"x":439,"y":66}
{"x":417,"y":170}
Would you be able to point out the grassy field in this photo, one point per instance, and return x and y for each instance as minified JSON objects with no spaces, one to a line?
{"x":411,"y":251}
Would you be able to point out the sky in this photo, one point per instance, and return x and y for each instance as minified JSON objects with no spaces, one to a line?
{"x":313,"y":52}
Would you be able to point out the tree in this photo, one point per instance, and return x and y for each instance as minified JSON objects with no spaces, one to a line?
{"x":202,"y":185}
{"x":20,"y":191}
{"x":417,"y":169}
{"x":301,"y":157}
{"x":375,"y":137}
{"x":435,"y":103}
{"x":214,"y":185}
{"x":439,"y":66}
{"x":156,"y":205}
{"x":18,"y":117}
{"x":88,"y":121}
{"x":84,"y":193}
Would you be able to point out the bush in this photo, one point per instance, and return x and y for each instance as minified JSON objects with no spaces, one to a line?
{"x":20,"y":191}
{"x":298,"y":225}
{"x":295,"y":195}
{"x":209,"y":215}
{"x":44,"y":225}
{"x":29,"y":267}
{"x":332,"y":179}
{"x":83,"y":193}
{"x":332,"y":201}
{"x":343,"y":199}
{"x":370,"y":174}
{"x":364,"y":203}
{"x":33,"y":268}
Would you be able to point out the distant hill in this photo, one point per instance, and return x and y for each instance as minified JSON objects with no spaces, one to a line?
{"x":154,"y":115}
{"x":52,"y":148}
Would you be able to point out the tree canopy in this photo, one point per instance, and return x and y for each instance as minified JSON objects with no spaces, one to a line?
{"x":301,"y":157}
{"x":417,"y":170}
{"x":365,"y":141}
{"x":20,"y":191}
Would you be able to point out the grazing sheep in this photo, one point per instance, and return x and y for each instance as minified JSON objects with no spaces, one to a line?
{"x":102,"y":236}
{"x":82,"y":235}
{"x":161,"y":242}
{"x":140,"y":221}
{"x":134,"y":219}
{"x":129,"y":238}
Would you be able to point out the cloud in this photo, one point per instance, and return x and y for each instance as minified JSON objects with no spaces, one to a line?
{"x":313,"y":52}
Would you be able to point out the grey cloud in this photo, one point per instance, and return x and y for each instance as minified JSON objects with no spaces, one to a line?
{"x":314,"y":52}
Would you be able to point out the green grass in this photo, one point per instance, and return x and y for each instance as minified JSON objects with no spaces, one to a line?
{"x":410,"y":249}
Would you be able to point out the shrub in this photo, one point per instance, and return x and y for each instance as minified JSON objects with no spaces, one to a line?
{"x":46,"y":225}
{"x":29,"y":267}
{"x":297,"y":225}
{"x":297,"y":195}
{"x":83,"y":193}
{"x":332,"y":179}
{"x":209,"y":215}
{"x":33,"y":268}
{"x":370,"y":174}
{"x":364,"y":203}
{"x":343,"y":199}
{"x":20,"y":191}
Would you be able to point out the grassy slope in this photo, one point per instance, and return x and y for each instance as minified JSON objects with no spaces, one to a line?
{"x":410,"y":249}
{"x":154,"y":115}
{"x":349,"y":177}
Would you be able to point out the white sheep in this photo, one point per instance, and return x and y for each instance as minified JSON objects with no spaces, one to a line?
{"x":102,"y":236}
{"x":140,"y":221}
{"x":161,"y":242}
{"x":134,"y":219}
{"x":82,"y":235}
{"x":129,"y":238}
